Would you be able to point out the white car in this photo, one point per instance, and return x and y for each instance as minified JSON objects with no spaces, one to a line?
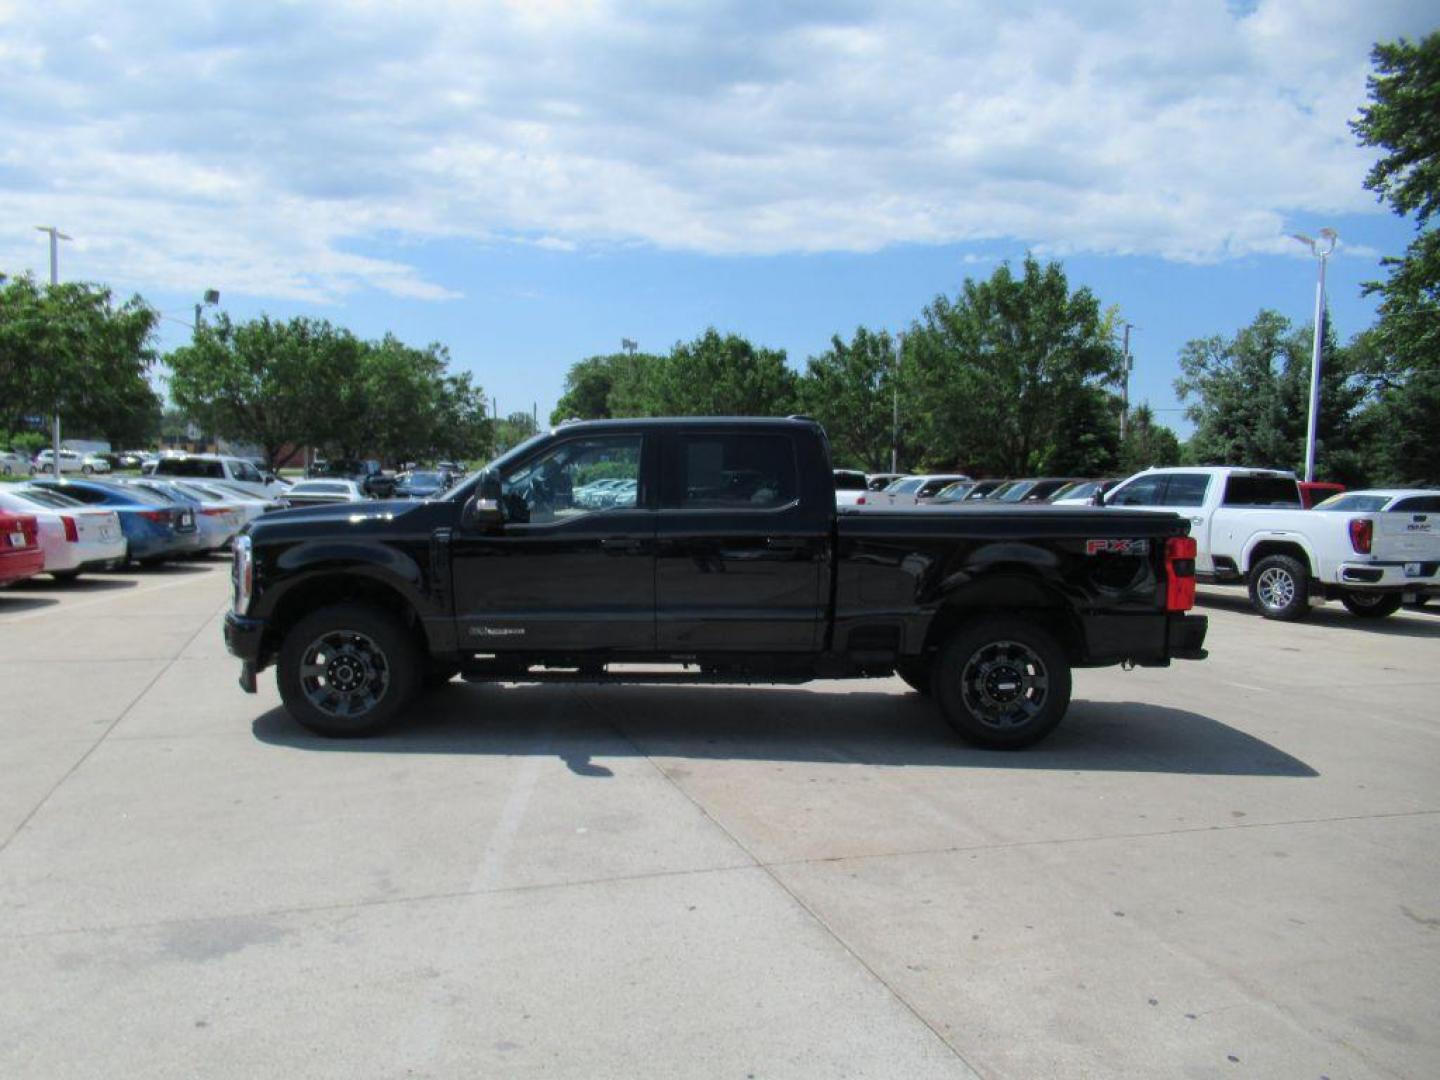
{"x":322,"y":492}
{"x":70,"y":461}
{"x":13,"y":463}
{"x":1250,"y":528}
{"x":249,"y":506}
{"x":913,"y":490}
{"x":73,"y":536}
{"x":234,"y":471}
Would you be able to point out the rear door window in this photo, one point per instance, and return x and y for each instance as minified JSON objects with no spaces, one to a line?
{"x":1144,"y":491}
{"x":1186,"y":489}
{"x":737,"y":472}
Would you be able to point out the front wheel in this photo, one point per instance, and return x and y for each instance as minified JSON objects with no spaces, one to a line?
{"x":1371,"y":605}
{"x":1280,"y":588}
{"x":348,"y":670}
{"x":1003,"y":683}
{"x":87,"y":469}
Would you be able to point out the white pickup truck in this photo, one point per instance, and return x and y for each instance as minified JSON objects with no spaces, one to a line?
{"x":1249,"y":529}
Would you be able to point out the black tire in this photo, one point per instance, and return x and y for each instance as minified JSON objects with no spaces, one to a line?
{"x":64,"y":577}
{"x":348,"y":670}
{"x":917,"y":674}
{"x":87,"y":469}
{"x":1369,"y":605}
{"x":1002,"y":683}
{"x":1280,"y":588}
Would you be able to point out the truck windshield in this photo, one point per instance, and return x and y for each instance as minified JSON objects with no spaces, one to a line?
{"x":1241,"y":490}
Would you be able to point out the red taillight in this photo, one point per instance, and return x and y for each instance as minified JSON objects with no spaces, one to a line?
{"x":860,"y":501}
{"x":72,"y":534}
{"x":160,"y":517}
{"x":1362,"y":535}
{"x":212,"y":511}
{"x":1180,"y":573}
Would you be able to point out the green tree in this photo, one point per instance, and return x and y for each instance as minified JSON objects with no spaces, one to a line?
{"x":1402,"y":351}
{"x":1147,"y":443}
{"x":597,"y":385}
{"x":69,"y":349}
{"x":513,"y":430}
{"x":274,"y":384}
{"x":999,"y":380}
{"x":724,"y":375}
{"x":1249,"y":398}
{"x":848,"y":388}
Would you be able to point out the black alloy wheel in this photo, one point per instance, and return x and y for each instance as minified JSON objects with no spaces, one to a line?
{"x":348,"y":670}
{"x":1003,"y":683}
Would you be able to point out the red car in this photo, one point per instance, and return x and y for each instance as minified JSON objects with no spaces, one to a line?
{"x":20,"y":554}
{"x":1314,"y":491}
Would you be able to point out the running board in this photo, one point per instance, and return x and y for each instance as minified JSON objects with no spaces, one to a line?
{"x":661,"y":678}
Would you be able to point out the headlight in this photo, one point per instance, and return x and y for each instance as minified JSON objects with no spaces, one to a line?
{"x":242,"y":572}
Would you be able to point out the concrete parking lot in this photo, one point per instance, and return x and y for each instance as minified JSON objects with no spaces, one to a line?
{"x":1222,"y":869}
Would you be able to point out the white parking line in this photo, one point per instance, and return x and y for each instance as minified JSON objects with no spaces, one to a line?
{"x":64,"y":607}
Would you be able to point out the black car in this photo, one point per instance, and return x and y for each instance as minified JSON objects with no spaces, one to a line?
{"x":422,"y":484}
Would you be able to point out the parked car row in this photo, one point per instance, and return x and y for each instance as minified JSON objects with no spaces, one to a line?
{"x":85,"y":524}
{"x":937,"y":490}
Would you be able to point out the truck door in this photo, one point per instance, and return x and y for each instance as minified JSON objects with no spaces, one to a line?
{"x":1185,"y":493}
{"x":573,"y":565}
{"x":741,"y":557}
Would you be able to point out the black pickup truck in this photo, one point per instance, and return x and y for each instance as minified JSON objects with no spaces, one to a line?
{"x":701,"y":550}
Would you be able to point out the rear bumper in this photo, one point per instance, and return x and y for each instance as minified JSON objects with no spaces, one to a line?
{"x":1144,"y":640}
{"x":1388,"y":576}
{"x":18,"y":565}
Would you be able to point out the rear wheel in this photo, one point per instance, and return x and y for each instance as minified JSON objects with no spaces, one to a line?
{"x":1280,"y":588}
{"x":87,"y":469}
{"x":1003,"y":683}
{"x":65,"y":576}
{"x":1371,"y":605}
{"x":348,"y":670}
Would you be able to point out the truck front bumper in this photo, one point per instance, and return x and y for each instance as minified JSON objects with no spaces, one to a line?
{"x":243,"y":638}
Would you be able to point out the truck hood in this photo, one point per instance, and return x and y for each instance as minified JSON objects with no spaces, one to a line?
{"x":358,"y":515}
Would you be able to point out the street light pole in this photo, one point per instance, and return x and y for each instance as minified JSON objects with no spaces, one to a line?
{"x":1322,"y":249}
{"x":895,"y":404}
{"x":212,"y":297}
{"x":55,"y":237}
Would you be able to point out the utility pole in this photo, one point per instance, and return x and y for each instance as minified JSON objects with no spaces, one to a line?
{"x":895,"y":403}
{"x":55,"y":237}
{"x":1125,"y":383}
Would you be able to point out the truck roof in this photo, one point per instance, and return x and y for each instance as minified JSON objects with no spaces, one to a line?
{"x":1219,"y":470}
{"x":689,"y":421}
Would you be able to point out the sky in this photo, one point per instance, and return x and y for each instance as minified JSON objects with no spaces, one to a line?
{"x":529,"y":182}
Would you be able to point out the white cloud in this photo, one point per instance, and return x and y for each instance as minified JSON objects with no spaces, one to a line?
{"x":270,"y":147}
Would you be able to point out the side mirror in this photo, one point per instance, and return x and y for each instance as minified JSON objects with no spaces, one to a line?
{"x":482,"y":510}
{"x":1098,"y":499}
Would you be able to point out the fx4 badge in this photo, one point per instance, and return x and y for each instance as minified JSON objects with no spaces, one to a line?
{"x":497,"y":631}
{"x":1117,"y":547}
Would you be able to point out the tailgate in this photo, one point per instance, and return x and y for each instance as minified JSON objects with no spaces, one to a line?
{"x":1406,"y":537}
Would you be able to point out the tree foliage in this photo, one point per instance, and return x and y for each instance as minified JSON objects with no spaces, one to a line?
{"x":850,"y":389}
{"x":1249,"y":398}
{"x":1146,"y":443}
{"x":69,"y":349}
{"x":999,"y":380}
{"x":306,"y":382}
{"x":1401,"y":352}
